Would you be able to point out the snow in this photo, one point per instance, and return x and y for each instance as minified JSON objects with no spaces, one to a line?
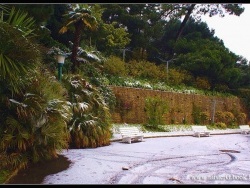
{"x":163,"y":160}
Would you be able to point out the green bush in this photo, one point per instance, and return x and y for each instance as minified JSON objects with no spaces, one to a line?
{"x":92,"y":72}
{"x":196,"y":114}
{"x":241,"y":118}
{"x":155,"y":108}
{"x":203,"y":83}
{"x":221,"y":125}
{"x":176,"y":77}
{"x":229,"y":118}
{"x":114,"y":66}
{"x":220,"y":116}
{"x":32,"y":103}
{"x":145,"y":70}
{"x":33,"y":122}
{"x":90,"y":124}
{"x":204,"y":116}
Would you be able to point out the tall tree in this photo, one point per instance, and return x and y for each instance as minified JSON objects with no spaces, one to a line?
{"x":183,"y":23}
{"x":212,"y":9}
{"x":80,"y":17}
{"x":196,"y":10}
{"x":142,"y":21}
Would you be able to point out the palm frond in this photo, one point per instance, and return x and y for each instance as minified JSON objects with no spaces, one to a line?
{"x":21,"y":21}
{"x":64,"y":29}
{"x":88,"y":115}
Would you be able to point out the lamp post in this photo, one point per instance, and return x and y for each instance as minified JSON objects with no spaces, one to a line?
{"x":60,"y":60}
{"x":167,"y":67}
{"x":124,"y":53}
{"x":167,"y":62}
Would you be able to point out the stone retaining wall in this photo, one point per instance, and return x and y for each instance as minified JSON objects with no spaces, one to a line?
{"x":180,"y":105}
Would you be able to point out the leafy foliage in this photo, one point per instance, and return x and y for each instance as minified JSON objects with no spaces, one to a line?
{"x":90,"y":124}
{"x":196,"y":114}
{"x":203,"y":83}
{"x":155,"y":108}
{"x":33,"y":123}
{"x":241,"y":118}
{"x":93,"y":72}
{"x":32,"y":103}
{"x":79,"y":17}
{"x":19,"y":20}
{"x":145,"y":70}
{"x":14,"y":66}
{"x":221,"y":125}
{"x":40,"y":12}
{"x":114,"y":66}
{"x":110,"y":38}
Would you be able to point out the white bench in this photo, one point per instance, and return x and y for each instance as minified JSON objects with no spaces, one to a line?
{"x":244,"y":129}
{"x":130,"y":134}
{"x":200,"y":130}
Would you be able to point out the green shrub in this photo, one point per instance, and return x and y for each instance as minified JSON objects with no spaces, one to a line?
{"x":221,"y":125}
{"x":221,"y":87}
{"x":196,"y":113}
{"x":135,"y":68}
{"x":91,"y":71}
{"x":145,"y":70}
{"x":241,"y":118}
{"x":90,"y":124}
{"x":204,"y":116}
{"x":33,"y":122}
{"x":32,"y":103}
{"x":114,"y":66}
{"x":176,"y":77}
{"x":155,"y":108}
{"x":220,"y":116}
{"x":229,"y":118}
{"x":203,"y":83}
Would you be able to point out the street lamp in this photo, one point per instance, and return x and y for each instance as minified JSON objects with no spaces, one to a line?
{"x":167,"y":66}
{"x":168,"y":61}
{"x":60,"y":60}
{"x":124,"y":53}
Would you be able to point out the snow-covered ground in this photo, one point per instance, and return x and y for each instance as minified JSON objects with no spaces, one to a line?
{"x":218,"y":159}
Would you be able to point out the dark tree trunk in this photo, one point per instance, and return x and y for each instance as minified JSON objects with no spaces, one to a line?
{"x":77,"y":38}
{"x":190,"y":10}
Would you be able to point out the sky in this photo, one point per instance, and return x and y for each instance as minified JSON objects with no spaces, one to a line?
{"x":233,"y":30}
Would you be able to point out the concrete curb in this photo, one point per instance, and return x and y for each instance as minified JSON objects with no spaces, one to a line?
{"x":117,"y":136}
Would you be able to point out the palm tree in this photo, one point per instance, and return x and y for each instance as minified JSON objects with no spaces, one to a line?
{"x":33,"y":108}
{"x":90,"y":124}
{"x":80,"y":17}
{"x":15,"y":28}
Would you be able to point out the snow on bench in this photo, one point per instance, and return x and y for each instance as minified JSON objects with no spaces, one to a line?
{"x":200,"y":130}
{"x":130,"y":134}
{"x":244,"y":129}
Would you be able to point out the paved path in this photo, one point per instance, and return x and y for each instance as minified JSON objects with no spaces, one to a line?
{"x":218,"y":159}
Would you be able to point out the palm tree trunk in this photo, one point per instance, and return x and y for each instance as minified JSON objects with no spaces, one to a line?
{"x":77,"y":38}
